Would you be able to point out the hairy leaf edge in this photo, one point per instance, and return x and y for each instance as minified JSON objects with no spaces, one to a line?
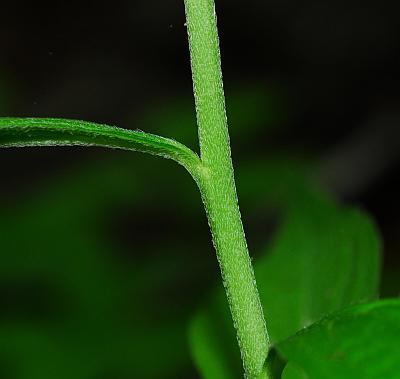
{"x":24,"y":132}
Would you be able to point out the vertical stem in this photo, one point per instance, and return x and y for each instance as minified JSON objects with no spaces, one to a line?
{"x":218,"y":190}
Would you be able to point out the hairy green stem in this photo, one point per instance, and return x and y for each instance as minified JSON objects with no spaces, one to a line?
{"x":218,"y":190}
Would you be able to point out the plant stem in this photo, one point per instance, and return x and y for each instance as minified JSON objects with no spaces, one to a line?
{"x":218,"y":190}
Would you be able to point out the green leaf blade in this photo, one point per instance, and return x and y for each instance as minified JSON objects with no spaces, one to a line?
{"x":358,"y":342}
{"x":205,"y":348}
{"x":324,"y":258}
{"x":21,"y":132}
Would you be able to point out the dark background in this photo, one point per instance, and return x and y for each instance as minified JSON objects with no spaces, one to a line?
{"x":313,"y":80}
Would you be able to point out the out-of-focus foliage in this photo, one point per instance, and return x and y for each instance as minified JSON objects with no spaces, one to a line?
{"x":71,"y":306}
{"x":6,"y":93}
{"x":323,"y":258}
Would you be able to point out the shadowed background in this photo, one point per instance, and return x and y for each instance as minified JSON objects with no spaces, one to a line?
{"x":106,"y":254}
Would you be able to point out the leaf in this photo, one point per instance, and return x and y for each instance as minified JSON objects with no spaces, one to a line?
{"x":323,"y":258}
{"x":20,"y":132}
{"x":292,"y":371}
{"x":358,"y":343}
{"x":213,"y":344}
